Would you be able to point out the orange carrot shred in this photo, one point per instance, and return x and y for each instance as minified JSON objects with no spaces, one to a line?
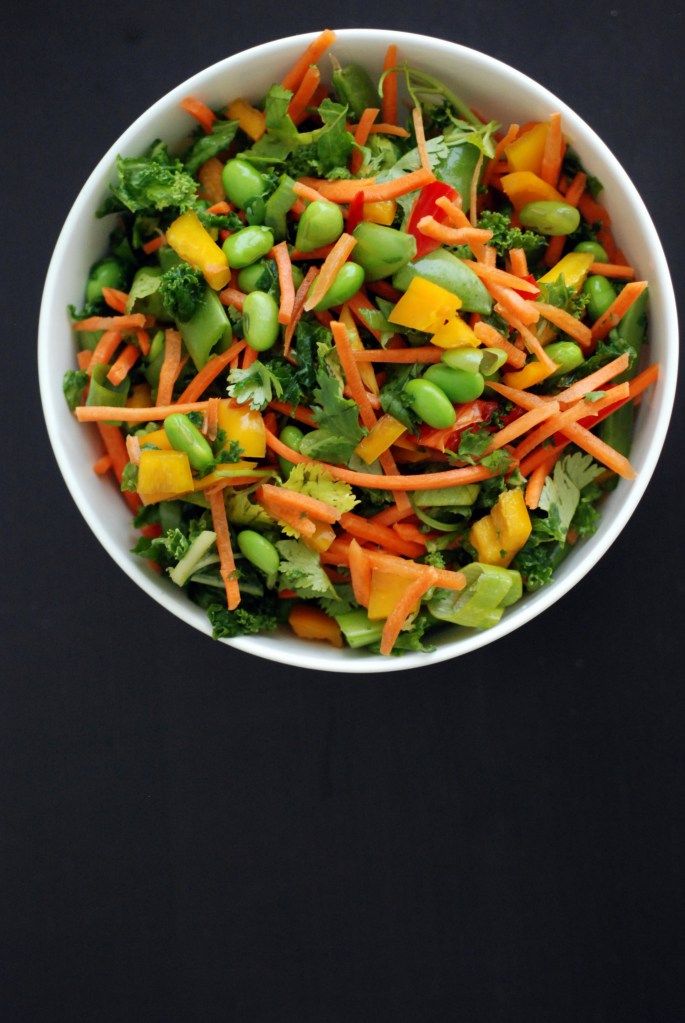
{"x":617,"y":310}
{"x":104,"y":349}
{"x":126,"y":360}
{"x":403,"y":608}
{"x":352,"y":375}
{"x":553,"y":153}
{"x":451,"y":235}
{"x":297,"y":108}
{"x":361,"y":134}
{"x":211,"y":425}
{"x":311,"y":506}
{"x":279,"y":254}
{"x":115,"y":299}
{"x":316,"y":49}
{"x":143,"y":339}
{"x":566,"y":322}
{"x":383,"y":536}
{"x":102,"y":465}
{"x":400,"y":356}
{"x":492,"y":337}
{"x":115,"y":447}
{"x":223,"y":546}
{"x":519,"y":263}
{"x":233,"y":297}
{"x":389,"y":129}
{"x":389,"y":89}
{"x":200,"y":111}
{"x":360,"y":571}
{"x":131,"y":322}
{"x":154,"y":244}
{"x":171,"y":367}
{"x":83,"y":358}
{"x":420,"y":133}
{"x":331,"y":266}
{"x":344,"y":191}
{"x":522,"y":425}
{"x":298,"y":308}
{"x":209,"y":372}
{"x":612,"y":270}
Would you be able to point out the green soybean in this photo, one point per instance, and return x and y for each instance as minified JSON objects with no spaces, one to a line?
{"x":595,"y":249}
{"x":292,"y":436}
{"x":430,"y":403}
{"x":347,"y":283}
{"x":248,"y":245}
{"x":567,"y":355}
{"x":106,"y":273}
{"x":320,"y":224}
{"x":260,"y":321}
{"x":184,"y":436}
{"x":382,"y":251}
{"x":459,"y":385}
{"x":260,"y":552}
{"x":250,"y":277}
{"x":549,"y":217}
{"x":600,"y":294}
{"x":242,"y":182}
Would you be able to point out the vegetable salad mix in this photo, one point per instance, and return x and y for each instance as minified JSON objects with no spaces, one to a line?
{"x":362,"y":363}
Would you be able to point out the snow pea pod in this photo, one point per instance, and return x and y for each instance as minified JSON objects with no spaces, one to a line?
{"x":354,"y":87}
{"x":101,"y":392}
{"x":208,"y":325}
{"x":443,"y":268}
{"x":382,"y":251}
{"x":277,"y":206}
{"x":458,"y":168}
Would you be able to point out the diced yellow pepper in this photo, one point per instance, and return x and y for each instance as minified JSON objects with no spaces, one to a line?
{"x":163,"y":475}
{"x":574,"y":267}
{"x":321,"y":540}
{"x":158,"y":439}
{"x":365,"y":369}
{"x":215,"y":477}
{"x":525,"y":154}
{"x":425,"y":306}
{"x":531,"y":374}
{"x":382,"y":212}
{"x":379,"y":438}
{"x":244,"y":425}
{"x":522,"y":187}
{"x":193,"y":243}
{"x":140,"y":397}
{"x":309,"y":622}
{"x":386,"y":590}
{"x":500,"y":535}
{"x":454,"y":334}
{"x":251,"y":120}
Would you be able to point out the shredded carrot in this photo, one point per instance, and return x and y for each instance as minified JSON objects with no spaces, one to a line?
{"x":389,"y":516}
{"x":300,"y":413}
{"x":522,"y":425}
{"x":250,"y":356}
{"x":553,"y":154}
{"x":542,"y":454}
{"x":520,"y":308}
{"x":617,"y":310}
{"x":210,"y":177}
{"x":423,"y":354}
{"x":298,"y":308}
{"x":344,"y":191}
{"x":361,"y":134}
{"x":131,"y":322}
{"x":316,"y":49}
{"x":295,"y":501}
{"x":559,"y":421}
{"x":475,"y":182}
{"x":444,"y":578}
{"x":524,"y":399}
{"x":537,"y":478}
{"x":130,"y":414}
{"x":298,"y":106}
{"x":211,"y":424}
{"x":594,"y":381}
{"x":83,"y":358}
{"x":611,"y":270}
{"x":493,"y":339}
{"x":104,"y":349}
{"x":409,"y":531}
{"x":566,"y":322}
{"x":143,"y":339}
{"x":356,"y":304}
{"x":389,"y":88}
{"x":115,"y":299}
{"x":389,"y":129}
{"x":383,"y":536}
{"x":200,"y":111}
{"x":529,"y":339}
{"x":307,"y":193}
{"x":600,"y":450}
{"x":126,"y":360}
{"x":593,"y":212}
{"x":420,"y":133}
{"x":501,"y":277}
{"x":511,"y":136}
{"x":572,"y":197}
{"x":209,"y":372}
{"x":279,"y":254}
{"x":102,"y":465}
{"x":293,"y":517}
{"x":232,"y":297}
{"x":221,"y":207}
{"x":403,"y":608}
{"x":352,"y":375}
{"x":330,"y":269}
{"x":360,"y":572}
{"x":171,"y":367}
{"x":643,"y":380}
{"x":451,"y":235}
{"x":154,"y":244}
{"x":115,"y":447}
{"x":296,"y":255}
{"x":223,"y":546}
{"x":519,"y":263}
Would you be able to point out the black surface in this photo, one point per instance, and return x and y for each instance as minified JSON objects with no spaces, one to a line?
{"x":192,"y":834}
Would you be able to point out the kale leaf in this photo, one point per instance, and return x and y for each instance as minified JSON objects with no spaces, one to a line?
{"x":73,"y":383}
{"x":506,"y":237}
{"x":241,"y":622}
{"x":207,"y":146}
{"x":150,"y":183}
{"x":181,"y":288}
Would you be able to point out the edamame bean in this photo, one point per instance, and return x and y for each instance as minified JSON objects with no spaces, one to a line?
{"x":185,"y":436}
{"x":292,"y":436}
{"x":567,"y":355}
{"x":250,"y":276}
{"x":106,"y":273}
{"x":320,"y":224}
{"x":595,"y":249}
{"x":248,"y":245}
{"x":430,"y":403}
{"x":550,"y":217}
{"x":242,"y":182}
{"x":382,"y":251}
{"x":600,"y":294}
{"x":260,"y":321}
{"x":458,"y":384}
{"x":347,"y":283}
{"x":260,"y":552}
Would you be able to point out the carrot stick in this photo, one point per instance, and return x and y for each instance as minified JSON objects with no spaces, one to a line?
{"x":210,"y":177}
{"x":102,"y":465}
{"x":297,"y":108}
{"x":420,"y":133}
{"x":209,"y":372}
{"x":356,"y":304}
{"x":361,"y":134}
{"x":294,"y":500}
{"x":102,"y":413}
{"x":422,"y":354}
{"x":524,"y":399}
{"x":279,"y":254}
{"x":643,"y":380}
{"x":528,"y":338}
{"x":389,"y":129}
{"x":451,"y":235}
{"x":389,"y":88}
{"x":321,"y":253}
{"x":524,"y":311}
{"x":131,"y":322}
{"x":329,"y":271}
{"x":116,"y":300}
{"x":519,"y":263}
{"x":220,"y":207}
{"x":200,"y":111}
{"x":445,"y":579}
{"x":211,"y":425}
{"x":298,"y":412}
{"x":383,"y":536}
{"x":542,"y":454}
{"x":352,"y":375}
{"x":566,"y":322}
{"x":84,"y":358}
{"x":360,"y":571}
{"x":298,"y":308}
{"x":115,"y":447}
{"x":154,"y":244}
{"x":522,"y":425}
{"x":125,"y":362}
{"x":288,"y":516}
{"x":600,"y":450}
{"x":104,"y":349}
{"x":223,"y":546}
{"x":316,"y":49}
{"x":559,"y":421}
{"x":143,"y":339}
{"x":501,"y":277}
{"x":511,"y":136}
{"x":492,"y":337}
{"x":609,"y":270}
{"x":171,"y":367}
{"x":403,"y":608}
{"x":233,"y":297}
{"x":389,"y":516}
{"x":594,"y":381}
{"x":133,"y":448}
{"x":617,"y":310}
{"x":553,"y":153}
{"x":537,"y":478}
{"x":345,"y":191}
{"x":307,"y":193}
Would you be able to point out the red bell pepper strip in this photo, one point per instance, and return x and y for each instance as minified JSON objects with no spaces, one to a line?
{"x":589,"y":422}
{"x":355,"y":212}
{"x":529,"y":294}
{"x":469,"y":414}
{"x":424,"y":206}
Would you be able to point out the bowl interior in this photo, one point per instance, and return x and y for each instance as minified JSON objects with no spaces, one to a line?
{"x":498,"y":91}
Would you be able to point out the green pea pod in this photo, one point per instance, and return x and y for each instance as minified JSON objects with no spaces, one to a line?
{"x":488,"y":591}
{"x":144,"y":296}
{"x":154,"y":359}
{"x":355,"y":88}
{"x":458,"y":168}
{"x":382,"y":251}
{"x":617,"y":429}
{"x":443,"y":268}
{"x":206,"y":327}
{"x":277,"y":206}
{"x":101,"y":392}
{"x":358,"y":630}
{"x":447,"y":497}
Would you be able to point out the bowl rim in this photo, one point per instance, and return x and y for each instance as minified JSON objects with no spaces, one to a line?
{"x":309,"y":656}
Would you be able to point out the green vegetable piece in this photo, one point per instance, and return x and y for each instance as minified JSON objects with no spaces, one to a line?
{"x":447,"y":497}
{"x":208,"y":146}
{"x":260,"y":552}
{"x":242,"y":182}
{"x":260,"y":321}
{"x":347,"y":283}
{"x":443,"y":268}
{"x":292,"y":436}
{"x":567,"y":355}
{"x":144,"y":294}
{"x":595,"y":249}
{"x":106,"y":273}
{"x":549,"y":217}
{"x":458,"y":384}
{"x":245,"y":247}
{"x":154,"y":359}
{"x":617,"y":429}
{"x":196,"y":553}
{"x":353,"y":87}
{"x":181,"y":289}
{"x":475,"y":360}
{"x":320,"y":224}
{"x":457,"y":169}
{"x":382,"y":251}
{"x":250,"y":277}
{"x":489,"y":590}
{"x":358,"y":630}
{"x":101,"y":392}
{"x":167,"y":257}
{"x":277,"y":206}
{"x":184,"y":436}
{"x":600,"y":294}
{"x":208,"y":326}
{"x":430,"y":403}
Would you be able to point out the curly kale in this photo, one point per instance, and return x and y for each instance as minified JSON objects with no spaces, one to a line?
{"x":181,"y":289}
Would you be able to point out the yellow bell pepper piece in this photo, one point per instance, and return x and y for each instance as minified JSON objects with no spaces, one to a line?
{"x":244,"y":425}
{"x":386,"y":590}
{"x":574,"y":267}
{"x":140,"y":397}
{"x":321,"y":540}
{"x":533,"y":373}
{"x":380,"y":212}
{"x":163,"y":475}
{"x":158,"y":439}
{"x":365,"y":370}
{"x":500,"y":535}
{"x":251,"y":120}
{"x":454,"y":334}
{"x":309,"y":622}
{"x":189,"y":239}
{"x":522,"y":187}
{"x":425,"y":306}
{"x":525,"y":154}
{"x":379,"y":438}
{"x":215,"y":477}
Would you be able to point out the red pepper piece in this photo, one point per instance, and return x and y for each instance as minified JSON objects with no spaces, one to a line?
{"x":355,"y":212}
{"x":424,"y":206}
{"x":529,"y":294}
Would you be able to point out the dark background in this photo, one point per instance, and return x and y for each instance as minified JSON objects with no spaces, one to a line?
{"x":193,"y":834}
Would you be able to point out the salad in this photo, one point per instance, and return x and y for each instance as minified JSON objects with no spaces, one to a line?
{"x":362,"y":361}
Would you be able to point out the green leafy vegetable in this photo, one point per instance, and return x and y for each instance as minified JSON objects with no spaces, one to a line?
{"x":241,"y":622}
{"x":256,"y":385}
{"x":338,"y":418}
{"x":73,"y":383}
{"x":393,"y":400}
{"x":314,"y":481}
{"x":301,"y":570}
{"x":181,"y":288}
{"x":561,"y":492}
{"x":207,"y":146}
{"x":149,"y":184}
{"x":506,"y":237}
{"x":129,"y":478}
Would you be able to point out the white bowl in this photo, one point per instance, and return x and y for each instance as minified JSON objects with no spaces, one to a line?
{"x":488,"y":85}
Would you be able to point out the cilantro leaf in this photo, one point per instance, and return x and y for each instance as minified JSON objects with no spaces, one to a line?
{"x":256,"y":385}
{"x":393,"y":400}
{"x":286,"y":374}
{"x":338,"y":420}
{"x":242,"y":512}
{"x":207,"y":146}
{"x":561,"y":493}
{"x":497,"y":461}
{"x":314,"y":481}
{"x":301,"y":570}
{"x":473,"y":443}
{"x":73,"y":383}
{"x":129,"y":478}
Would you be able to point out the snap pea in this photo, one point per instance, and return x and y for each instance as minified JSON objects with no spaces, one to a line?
{"x":260,"y":321}
{"x":277,"y":206}
{"x":242,"y":182}
{"x":549,"y":217}
{"x":443,"y":268}
{"x":144,"y":296}
{"x":101,"y":392}
{"x":567,"y":355}
{"x":382,"y":251}
{"x":354,"y":87}
{"x":347,"y":283}
{"x":184,"y":436}
{"x":600,"y":294}
{"x":595,"y":249}
{"x":247,"y":245}
{"x":358,"y":630}
{"x":458,"y":168}
{"x":208,"y":325}
{"x":106,"y":273}
{"x":459,"y":385}
{"x":260,"y":552}
{"x":475,"y":360}
{"x":430,"y":403}
{"x":292,"y":436}
{"x":320,"y":224}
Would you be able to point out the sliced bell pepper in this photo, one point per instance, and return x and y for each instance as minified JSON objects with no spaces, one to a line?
{"x":163,"y":475}
{"x":320,"y":540}
{"x":156,"y":439}
{"x":193,"y":243}
{"x":251,"y":120}
{"x":425,"y":306}
{"x":386,"y":590}
{"x":381,"y":436}
{"x":454,"y":334}
{"x":525,"y":154}
{"x":574,"y":267}
{"x":532,"y":373}
{"x":382,"y":212}
{"x":309,"y":622}
{"x":244,"y":425}
{"x":424,"y":206}
{"x":522,"y":187}
{"x":499,"y":536}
